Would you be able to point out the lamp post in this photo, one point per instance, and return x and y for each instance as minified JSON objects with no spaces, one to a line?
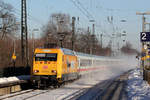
{"x":73,"y":31}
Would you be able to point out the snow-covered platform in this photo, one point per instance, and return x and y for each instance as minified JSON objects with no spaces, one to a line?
{"x":137,"y":88}
{"x":12,"y":84}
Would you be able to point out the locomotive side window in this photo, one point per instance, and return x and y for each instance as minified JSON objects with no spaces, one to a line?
{"x":46,"y":57}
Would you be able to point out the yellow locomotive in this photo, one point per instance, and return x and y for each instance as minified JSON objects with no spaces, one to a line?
{"x":54,"y":66}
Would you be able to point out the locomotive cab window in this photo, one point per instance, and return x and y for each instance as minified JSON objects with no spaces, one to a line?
{"x":46,"y":57}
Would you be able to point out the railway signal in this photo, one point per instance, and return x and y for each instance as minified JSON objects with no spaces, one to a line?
{"x":13,"y":57}
{"x":14,"y":62}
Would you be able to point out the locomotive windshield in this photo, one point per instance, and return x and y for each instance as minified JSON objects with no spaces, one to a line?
{"x":46,"y":57}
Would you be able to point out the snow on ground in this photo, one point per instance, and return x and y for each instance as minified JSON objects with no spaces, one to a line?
{"x":137,"y":89}
{"x":87,"y":81}
{"x":105,"y":72}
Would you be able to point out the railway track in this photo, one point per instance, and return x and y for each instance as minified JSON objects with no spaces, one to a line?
{"x":16,"y":94}
{"x":33,"y":92}
{"x":108,"y":90}
{"x":86,"y":93}
{"x":115,"y":91}
{"x":36,"y":94}
{"x":29,"y":93}
{"x":74,"y":95}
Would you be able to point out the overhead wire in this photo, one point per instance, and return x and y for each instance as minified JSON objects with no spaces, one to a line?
{"x":18,"y":12}
{"x":79,"y":8}
{"x":89,"y":14}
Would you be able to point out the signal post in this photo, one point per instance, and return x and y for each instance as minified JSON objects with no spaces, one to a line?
{"x":145,"y":40}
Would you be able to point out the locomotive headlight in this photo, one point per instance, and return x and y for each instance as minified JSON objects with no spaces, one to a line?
{"x":36,"y":71}
{"x":53,"y":71}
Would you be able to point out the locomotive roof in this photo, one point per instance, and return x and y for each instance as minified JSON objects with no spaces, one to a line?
{"x":68,"y":51}
{"x":73,"y":53}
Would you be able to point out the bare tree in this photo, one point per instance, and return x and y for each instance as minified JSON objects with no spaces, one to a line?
{"x":58,"y":23}
{"x":7,"y":20}
{"x":62,"y":21}
{"x":83,"y":39}
{"x":8,"y":27}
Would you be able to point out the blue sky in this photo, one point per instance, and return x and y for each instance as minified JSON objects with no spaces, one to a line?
{"x":40,"y":10}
